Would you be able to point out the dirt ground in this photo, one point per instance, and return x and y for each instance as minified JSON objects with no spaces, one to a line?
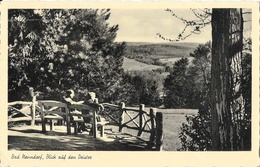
{"x":30,"y":138}
{"x":27,"y":137}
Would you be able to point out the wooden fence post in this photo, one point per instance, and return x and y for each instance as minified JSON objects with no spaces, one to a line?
{"x":33,"y":110}
{"x":95,"y":124}
{"x":121,"y":117}
{"x":141,"y":110}
{"x":152,"y":136}
{"x":67,"y":118}
{"x":94,"y":127}
{"x":33,"y":95}
{"x":159,"y":131}
{"x":51,"y":124}
{"x":43,"y":117}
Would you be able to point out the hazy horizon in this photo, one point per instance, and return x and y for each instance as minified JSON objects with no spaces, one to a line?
{"x":142,"y":25}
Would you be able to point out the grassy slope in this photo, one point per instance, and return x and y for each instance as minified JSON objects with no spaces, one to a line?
{"x":131,"y":64}
{"x":172,"y":122}
{"x":190,"y":44}
{"x":166,"y":52}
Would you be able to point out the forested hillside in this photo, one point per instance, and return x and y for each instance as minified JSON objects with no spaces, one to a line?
{"x":157,"y":54}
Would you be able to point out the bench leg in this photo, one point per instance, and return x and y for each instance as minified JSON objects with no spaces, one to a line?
{"x":43,"y":126}
{"x":102,"y":131}
{"x":51,"y":125}
{"x":75,"y":128}
{"x":95,"y":124}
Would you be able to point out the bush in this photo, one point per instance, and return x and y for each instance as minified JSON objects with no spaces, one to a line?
{"x":196,"y":135}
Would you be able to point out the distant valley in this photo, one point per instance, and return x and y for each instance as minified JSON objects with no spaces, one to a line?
{"x":151,"y":56}
{"x":132,"y":64}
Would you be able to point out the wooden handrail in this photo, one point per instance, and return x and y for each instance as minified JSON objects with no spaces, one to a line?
{"x":52,"y":103}
{"x":148,"y":121}
{"x":19,"y":102}
{"x":110,"y":105}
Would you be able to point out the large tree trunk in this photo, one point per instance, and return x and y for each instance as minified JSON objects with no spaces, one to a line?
{"x":226,"y":99}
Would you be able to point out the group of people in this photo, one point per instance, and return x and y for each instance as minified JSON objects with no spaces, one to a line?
{"x":89,"y":99}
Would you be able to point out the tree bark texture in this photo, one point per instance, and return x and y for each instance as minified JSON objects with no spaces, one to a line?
{"x":226,"y":98}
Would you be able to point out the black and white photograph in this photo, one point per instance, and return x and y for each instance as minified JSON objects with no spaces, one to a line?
{"x":138,"y":80}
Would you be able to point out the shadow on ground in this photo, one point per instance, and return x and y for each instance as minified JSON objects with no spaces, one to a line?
{"x":27,"y":138}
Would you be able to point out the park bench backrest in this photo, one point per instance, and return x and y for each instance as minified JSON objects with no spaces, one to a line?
{"x":54,"y":110}
{"x":57,"y":110}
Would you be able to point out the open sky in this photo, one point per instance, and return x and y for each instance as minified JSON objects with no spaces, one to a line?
{"x":142,"y":25}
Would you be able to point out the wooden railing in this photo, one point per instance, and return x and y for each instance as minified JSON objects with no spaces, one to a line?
{"x":137,"y":120}
{"x":25,"y":109}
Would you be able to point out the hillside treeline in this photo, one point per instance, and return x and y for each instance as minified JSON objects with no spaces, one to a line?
{"x":152,"y":53}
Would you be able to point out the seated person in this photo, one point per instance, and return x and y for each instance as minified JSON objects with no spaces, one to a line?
{"x":90,"y":98}
{"x":69,"y":100}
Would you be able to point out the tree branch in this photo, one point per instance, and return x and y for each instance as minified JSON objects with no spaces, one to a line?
{"x":203,"y":19}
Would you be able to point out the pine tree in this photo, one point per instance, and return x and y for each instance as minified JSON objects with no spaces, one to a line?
{"x":25,"y":51}
{"x":79,"y":52}
{"x":177,"y":86}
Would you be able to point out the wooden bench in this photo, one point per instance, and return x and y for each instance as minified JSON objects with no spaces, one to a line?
{"x":100,"y":125}
{"x":55,"y":110}
{"x":92,"y":114}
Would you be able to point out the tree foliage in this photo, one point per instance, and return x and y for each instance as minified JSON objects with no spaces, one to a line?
{"x":177,"y":86}
{"x":195,"y":135}
{"x":141,"y":87}
{"x":187,"y":84}
{"x":25,"y":41}
{"x":66,"y":49}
